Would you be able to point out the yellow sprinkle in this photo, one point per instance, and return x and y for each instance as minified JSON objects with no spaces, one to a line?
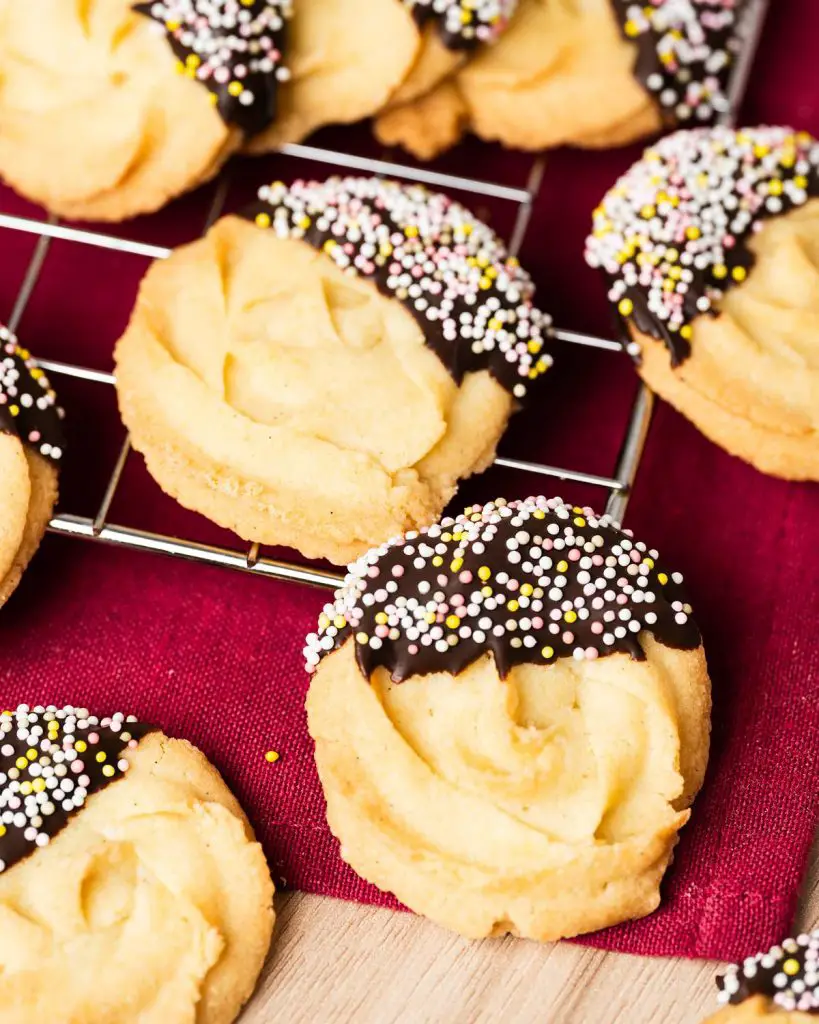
{"x":625,"y":307}
{"x":687,"y":332}
{"x":25,"y":788}
{"x":361,"y":638}
{"x":486,"y":591}
{"x":538,"y":514}
{"x":21,"y":763}
{"x":453,"y":621}
{"x":562,"y":566}
{"x":739,"y":273}
{"x":791,"y":967}
{"x":339,"y":622}
{"x":775,"y":187}
{"x":108,"y":770}
{"x":263,"y":220}
{"x":647,"y":211}
{"x":800,"y":181}
{"x":193,"y":60}
{"x":101,"y":756}
{"x":303,"y":222}
{"x":430,"y":617}
{"x":484,"y":572}
{"x":661,"y":576}
{"x":570,"y":616}
{"x":534,"y":346}
{"x":381,"y":618}
{"x":81,"y":746}
{"x":411,"y":231}
{"x":31,"y":754}
{"x":437,"y":561}
{"x":38,"y":785}
{"x":580,"y":521}
{"x":271,"y":756}
{"x":513,"y":605}
{"x":172,"y":26}
{"x":484,"y":283}
{"x":235,"y":88}
{"x":213,"y":99}
{"x":527,"y":590}
{"x":649,"y":562}
{"x":495,"y":324}
{"x":2,"y":830}
{"x":548,"y":652}
{"x":720,"y":271}
{"x":631,"y":28}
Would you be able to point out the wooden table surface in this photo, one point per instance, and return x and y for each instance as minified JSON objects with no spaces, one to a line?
{"x":340,"y":963}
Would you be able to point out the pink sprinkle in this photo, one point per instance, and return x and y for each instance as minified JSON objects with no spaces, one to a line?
{"x":77,"y":766}
{"x":537,"y":622}
{"x":466,"y":576}
{"x":568,"y":638}
{"x":597,"y":627}
{"x":398,"y":570}
{"x":373,"y":571}
{"x":93,"y":737}
{"x":412,"y":649}
{"x":574,"y":555}
{"x":382,"y":631}
{"x":591,"y":654}
{"x":597,"y":559}
{"x":457,"y":599}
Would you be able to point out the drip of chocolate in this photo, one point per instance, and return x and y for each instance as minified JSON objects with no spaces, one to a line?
{"x":51,"y":760}
{"x":28,"y":406}
{"x":685,"y":53}
{"x":232,"y":47}
{"x":673,"y":233}
{"x":472,"y":301}
{"x":464,"y":24}
{"x":787,"y":975}
{"x":529,"y":581}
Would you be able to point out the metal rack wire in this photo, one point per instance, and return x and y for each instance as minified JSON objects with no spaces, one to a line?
{"x":618,"y":486}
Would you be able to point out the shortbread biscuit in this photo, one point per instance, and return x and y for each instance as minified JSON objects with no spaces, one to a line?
{"x":131,"y":887}
{"x":710,"y":245}
{"x":511,"y":718}
{"x":31,"y":447}
{"x":780,"y":986}
{"x":323,"y":371}
{"x":450,"y":30}
{"x":345,"y":58}
{"x":587,"y":72}
{"x":96,"y":120}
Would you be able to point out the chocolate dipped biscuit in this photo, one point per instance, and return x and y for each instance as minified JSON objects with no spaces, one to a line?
{"x":322,"y":370}
{"x":31,"y":450}
{"x":511,"y":717}
{"x":710,"y":248}
{"x":120,"y":846}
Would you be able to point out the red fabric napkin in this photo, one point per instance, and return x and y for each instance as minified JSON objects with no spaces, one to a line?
{"x":215,"y":656}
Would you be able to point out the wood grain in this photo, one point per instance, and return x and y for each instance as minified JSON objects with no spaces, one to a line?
{"x":337,"y":963}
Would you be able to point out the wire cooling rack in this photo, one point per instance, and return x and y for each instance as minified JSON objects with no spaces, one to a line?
{"x":617,"y":487}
